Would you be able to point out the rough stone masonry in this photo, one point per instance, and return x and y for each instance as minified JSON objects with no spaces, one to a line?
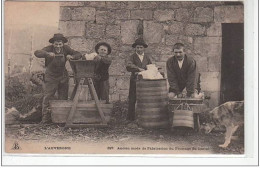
{"x":196,"y":24}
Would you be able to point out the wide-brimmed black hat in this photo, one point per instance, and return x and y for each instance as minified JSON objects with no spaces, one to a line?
{"x":58,"y":37}
{"x":103,"y":44}
{"x":139,"y":41}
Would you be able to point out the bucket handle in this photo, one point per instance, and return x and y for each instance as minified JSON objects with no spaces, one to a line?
{"x":182,"y":106}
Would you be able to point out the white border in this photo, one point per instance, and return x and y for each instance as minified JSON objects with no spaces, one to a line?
{"x":251,"y":128}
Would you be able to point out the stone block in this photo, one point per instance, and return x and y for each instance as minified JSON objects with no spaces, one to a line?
{"x":215,"y":64}
{"x":65,"y":13}
{"x":154,"y":57}
{"x":153,"y":32}
{"x":122,"y":83}
{"x":112,"y":31}
{"x":96,"y":4}
{"x":121,"y":14}
{"x":215,"y":30}
{"x":95,"y":31}
{"x":72,"y":4}
{"x":203,"y":15}
{"x":104,"y":17}
{"x":114,"y":43}
{"x":117,"y":67}
{"x":210,"y":81}
{"x":148,"y":5}
{"x":176,"y":28}
{"x":72,"y":28}
{"x":202,"y":63}
{"x":161,"y":64}
{"x":84,"y":13}
{"x":112,"y":81}
{"x":113,"y":4}
{"x":142,"y":14}
{"x":123,"y":95}
{"x":169,"y":5}
{"x":229,"y":14}
{"x":172,"y":39}
{"x":214,"y":98}
{"x":114,"y":97}
{"x":130,"y":5}
{"x":182,"y":14}
{"x":195,"y":29}
{"x":126,"y":50}
{"x":164,"y":58}
{"x":129,"y":31}
{"x":208,"y":46}
{"x":167,"y":50}
{"x":163,"y":15}
{"x":82,"y":44}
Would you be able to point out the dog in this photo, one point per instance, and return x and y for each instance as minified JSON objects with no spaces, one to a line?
{"x":230,"y":115}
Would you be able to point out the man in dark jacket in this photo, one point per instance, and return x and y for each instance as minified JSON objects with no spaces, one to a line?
{"x":136,"y":63}
{"x":56,"y":75}
{"x":181,"y":72}
{"x":103,"y":61}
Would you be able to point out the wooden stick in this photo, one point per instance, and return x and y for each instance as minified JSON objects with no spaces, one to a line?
{"x":94,"y":95}
{"x":75,"y":102}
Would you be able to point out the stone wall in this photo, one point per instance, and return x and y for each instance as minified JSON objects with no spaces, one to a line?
{"x":196,"y":24}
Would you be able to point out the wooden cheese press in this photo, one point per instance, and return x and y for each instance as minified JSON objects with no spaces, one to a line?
{"x":83,"y":74}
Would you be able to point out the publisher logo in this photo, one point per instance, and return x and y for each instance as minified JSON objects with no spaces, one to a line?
{"x":16,"y":146}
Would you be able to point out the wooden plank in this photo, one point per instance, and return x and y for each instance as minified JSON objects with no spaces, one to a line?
{"x":75,"y":102}
{"x":68,"y":103}
{"x":86,"y":125}
{"x":94,"y":95}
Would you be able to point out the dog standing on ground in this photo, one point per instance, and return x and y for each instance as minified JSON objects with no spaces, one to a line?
{"x":230,"y":115}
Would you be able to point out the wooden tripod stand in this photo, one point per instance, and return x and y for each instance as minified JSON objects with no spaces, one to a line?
{"x":84,"y":72}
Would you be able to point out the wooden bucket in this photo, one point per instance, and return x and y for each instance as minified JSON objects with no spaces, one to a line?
{"x":183,"y":117}
{"x":152,"y":100}
{"x":85,"y":112}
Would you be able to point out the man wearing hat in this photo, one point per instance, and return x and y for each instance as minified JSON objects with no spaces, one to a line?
{"x":56,"y":75}
{"x":136,"y":63}
{"x":103,"y":61}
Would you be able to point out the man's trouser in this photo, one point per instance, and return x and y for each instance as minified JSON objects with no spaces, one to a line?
{"x":132,"y":100}
{"x":61,"y":85}
{"x":102,"y":89}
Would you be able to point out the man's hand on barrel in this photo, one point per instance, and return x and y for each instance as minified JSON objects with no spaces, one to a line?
{"x":180,"y":95}
{"x":69,"y":57}
{"x":171,"y":95}
{"x":141,"y":69}
{"x":97,"y":58}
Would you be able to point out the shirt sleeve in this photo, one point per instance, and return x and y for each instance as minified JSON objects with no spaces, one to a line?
{"x":172,"y":78}
{"x":191,"y":78}
{"x":73,"y":53}
{"x":130,"y":66}
{"x":43,"y":53}
{"x":106,"y":60}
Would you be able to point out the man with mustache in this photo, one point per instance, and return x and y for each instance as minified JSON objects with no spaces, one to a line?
{"x":181,"y":72}
{"x":56,"y":75}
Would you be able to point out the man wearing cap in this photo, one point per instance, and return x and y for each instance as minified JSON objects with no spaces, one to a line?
{"x":181,"y":72}
{"x":103,"y":61}
{"x":136,"y":63}
{"x":56,"y":75}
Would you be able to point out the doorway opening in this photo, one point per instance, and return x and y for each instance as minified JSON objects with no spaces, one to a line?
{"x":232,"y":62}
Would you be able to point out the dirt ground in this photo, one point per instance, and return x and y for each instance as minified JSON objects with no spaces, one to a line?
{"x":119,"y":137}
{"x":121,"y":134}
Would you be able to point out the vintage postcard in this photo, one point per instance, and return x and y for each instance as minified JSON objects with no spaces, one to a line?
{"x":128,"y":78}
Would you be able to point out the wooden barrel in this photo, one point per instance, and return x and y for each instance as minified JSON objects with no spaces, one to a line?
{"x":152,"y":100}
{"x":183,"y":118}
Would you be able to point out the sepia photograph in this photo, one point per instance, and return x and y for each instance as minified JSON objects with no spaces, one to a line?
{"x":125,"y":78}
